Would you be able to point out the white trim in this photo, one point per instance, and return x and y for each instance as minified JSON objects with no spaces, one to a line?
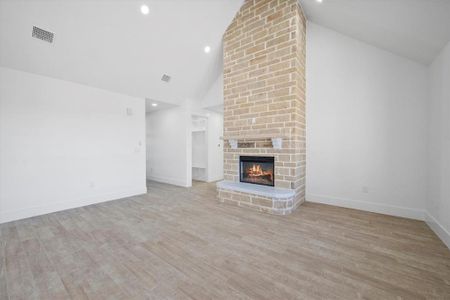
{"x":437,"y":227}
{"x":398,"y":211}
{"x":12,"y":215}
{"x":215,"y":179}
{"x":173,"y":181}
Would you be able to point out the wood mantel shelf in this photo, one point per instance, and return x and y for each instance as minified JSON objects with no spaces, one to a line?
{"x":277,"y":140}
{"x":254,"y":137}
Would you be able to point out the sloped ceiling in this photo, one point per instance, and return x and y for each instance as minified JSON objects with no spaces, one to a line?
{"x":111,"y":45}
{"x":416,"y":29}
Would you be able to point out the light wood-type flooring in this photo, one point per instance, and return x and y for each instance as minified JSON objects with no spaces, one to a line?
{"x":178,"y":243}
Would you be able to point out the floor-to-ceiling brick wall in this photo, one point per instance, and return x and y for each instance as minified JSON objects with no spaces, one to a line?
{"x":264,"y":89}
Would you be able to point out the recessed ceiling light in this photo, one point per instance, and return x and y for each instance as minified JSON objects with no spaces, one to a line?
{"x":207,"y":49}
{"x":144,"y":9}
{"x":154,"y":104}
{"x":320,"y":1}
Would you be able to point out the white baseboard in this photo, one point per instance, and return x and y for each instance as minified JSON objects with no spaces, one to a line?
{"x":173,"y":181}
{"x":398,"y":211}
{"x":437,"y":227}
{"x":215,"y":179}
{"x":13,"y":215}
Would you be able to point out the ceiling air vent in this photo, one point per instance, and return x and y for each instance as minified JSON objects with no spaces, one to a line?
{"x":42,"y":34}
{"x":165,"y":78}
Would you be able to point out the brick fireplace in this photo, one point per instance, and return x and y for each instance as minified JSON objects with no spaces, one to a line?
{"x":264,"y":103}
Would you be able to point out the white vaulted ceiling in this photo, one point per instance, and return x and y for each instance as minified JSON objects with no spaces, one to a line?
{"x":416,"y":29}
{"x":111,"y":45}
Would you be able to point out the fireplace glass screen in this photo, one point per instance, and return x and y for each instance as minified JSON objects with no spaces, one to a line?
{"x":257,"y":170}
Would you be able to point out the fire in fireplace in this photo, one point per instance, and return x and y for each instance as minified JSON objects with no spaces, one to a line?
{"x":257,"y":170}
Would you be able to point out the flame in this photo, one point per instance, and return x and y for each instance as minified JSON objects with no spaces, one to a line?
{"x":256,"y":171}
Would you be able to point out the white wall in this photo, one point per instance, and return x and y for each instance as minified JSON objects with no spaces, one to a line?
{"x":214,"y":99}
{"x":366,"y":126}
{"x":169,"y":146}
{"x":438,"y":204}
{"x":65,"y":145}
{"x":215,"y":146}
{"x":214,"y":95}
{"x":199,"y":148}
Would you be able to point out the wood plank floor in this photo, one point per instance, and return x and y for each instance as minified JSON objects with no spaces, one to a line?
{"x":177,"y":243}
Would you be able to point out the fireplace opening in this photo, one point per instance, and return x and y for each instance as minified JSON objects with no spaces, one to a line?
{"x":257,"y":170}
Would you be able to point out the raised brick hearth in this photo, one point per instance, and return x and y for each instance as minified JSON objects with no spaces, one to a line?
{"x":263,"y":198}
{"x":264,"y":99}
